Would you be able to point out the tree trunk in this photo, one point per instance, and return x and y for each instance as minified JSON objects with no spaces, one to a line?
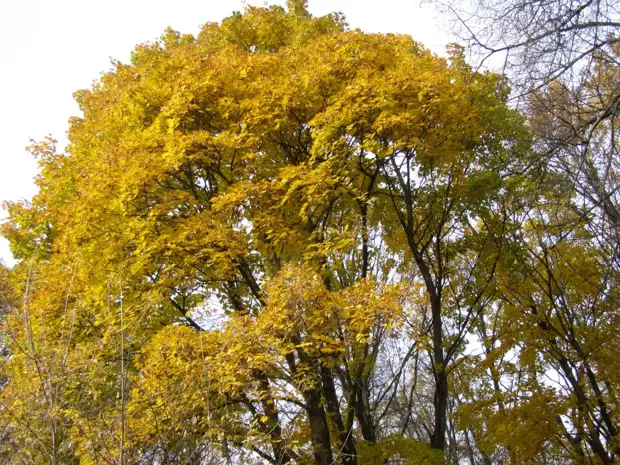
{"x":440,"y":399}
{"x":319,"y":430}
{"x":345,"y":440}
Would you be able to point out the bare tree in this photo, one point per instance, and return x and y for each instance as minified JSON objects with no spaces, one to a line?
{"x":539,"y":40}
{"x":561,"y":58}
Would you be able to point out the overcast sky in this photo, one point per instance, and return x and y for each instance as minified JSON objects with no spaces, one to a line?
{"x":51,"y":48}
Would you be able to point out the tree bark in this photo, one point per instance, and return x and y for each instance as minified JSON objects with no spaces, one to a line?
{"x":344,"y":437}
{"x":440,"y":398}
{"x":319,"y":430}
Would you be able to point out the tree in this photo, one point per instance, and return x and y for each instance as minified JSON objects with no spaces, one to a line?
{"x":562,"y":61}
{"x":7,"y":302}
{"x":337,"y":201}
{"x":542,"y":41}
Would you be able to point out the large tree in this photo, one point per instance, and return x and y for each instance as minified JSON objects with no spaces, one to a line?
{"x":257,"y":242}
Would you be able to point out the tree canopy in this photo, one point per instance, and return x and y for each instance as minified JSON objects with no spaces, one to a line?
{"x":287,"y":241}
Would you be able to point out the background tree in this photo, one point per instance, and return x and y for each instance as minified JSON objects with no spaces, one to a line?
{"x":562,"y":61}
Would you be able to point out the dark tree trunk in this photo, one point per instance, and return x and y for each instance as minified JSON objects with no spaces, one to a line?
{"x":440,"y":399}
{"x":361,"y":410}
{"x":319,"y":430}
{"x":345,"y":439}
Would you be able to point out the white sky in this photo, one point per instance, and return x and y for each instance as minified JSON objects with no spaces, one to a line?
{"x":51,"y":48}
